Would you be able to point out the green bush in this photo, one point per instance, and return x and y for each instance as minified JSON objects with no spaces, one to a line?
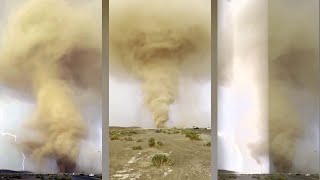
{"x":193,"y":136}
{"x":161,"y":159}
{"x":151,"y":142}
{"x":207,"y":144}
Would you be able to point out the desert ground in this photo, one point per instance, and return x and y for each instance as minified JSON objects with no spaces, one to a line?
{"x":4,"y":175}
{"x":267,"y":177}
{"x":173,"y":154}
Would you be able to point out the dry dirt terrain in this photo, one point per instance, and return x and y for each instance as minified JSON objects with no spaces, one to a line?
{"x":31,"y":176}
{"x":267,"y":177}
{"x":189,"y":159}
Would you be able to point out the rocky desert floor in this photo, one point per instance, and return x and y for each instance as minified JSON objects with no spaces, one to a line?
{"x":173,"y":154}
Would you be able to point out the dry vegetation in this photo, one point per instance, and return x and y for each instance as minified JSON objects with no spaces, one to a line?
{"x":276,"y":177}
{"x":226,"y":176}
{"x":137,"y":153}
{"x":161,"y":159}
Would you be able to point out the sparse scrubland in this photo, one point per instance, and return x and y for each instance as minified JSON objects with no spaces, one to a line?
{"x":169,"y":153}
{"x":276,"y":177}
{"x":226,"y":176}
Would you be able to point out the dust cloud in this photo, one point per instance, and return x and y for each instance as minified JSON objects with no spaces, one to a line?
{"x":292,"y":91}
{"x":157,"y":42}
{"x":51,"y":50}
{"x":293,"y":66}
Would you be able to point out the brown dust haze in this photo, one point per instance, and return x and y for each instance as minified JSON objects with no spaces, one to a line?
{"x":292,"y":41}
{"x":293,"y":64}
{"x":50,"y":49}
{"x":157,"y":40}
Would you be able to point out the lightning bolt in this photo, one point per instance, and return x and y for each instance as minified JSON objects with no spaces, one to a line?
{"x":15,"y":140}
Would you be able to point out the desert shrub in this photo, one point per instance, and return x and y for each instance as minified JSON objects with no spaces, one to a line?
{"x":38,"y":176}
{"x":151,"y":142}
{"x":128,"y":139}
{"x":226,"y":176}
{"x":122,"y":133}
{"x":193,"y":136}
{"x":62,"y":177}
{"x":256,"y":176}
{"x":161,"y":159}
{"x":207,"y":144}
{"x":133,"y":132}
{"x":315,"y":176}
{"x":125,"y":133}
{"x":276,"y":177}
{"x":117,"y":133}
{"x":184,"y":131}
{"x":159,"y":143}
{"x":140,"y":140}
{"x":232,"y":176}
{"x":114,"y":137}
{"x":137,"y":148}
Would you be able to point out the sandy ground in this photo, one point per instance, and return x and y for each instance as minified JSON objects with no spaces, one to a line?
{"x":45,"y":177}
{"x":262,"y":177}
{"x":192,"y":158}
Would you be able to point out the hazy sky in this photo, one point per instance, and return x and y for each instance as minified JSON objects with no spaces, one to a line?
{"x":126,"y":106}
{"x":12,"y":110}
{"x":12,"y":113}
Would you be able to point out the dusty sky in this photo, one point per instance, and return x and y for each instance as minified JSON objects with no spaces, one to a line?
{"x":126,"y":105}
{"x":14,"y":109}
{"x":242,"y":111}
{"x":191,"y":108}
